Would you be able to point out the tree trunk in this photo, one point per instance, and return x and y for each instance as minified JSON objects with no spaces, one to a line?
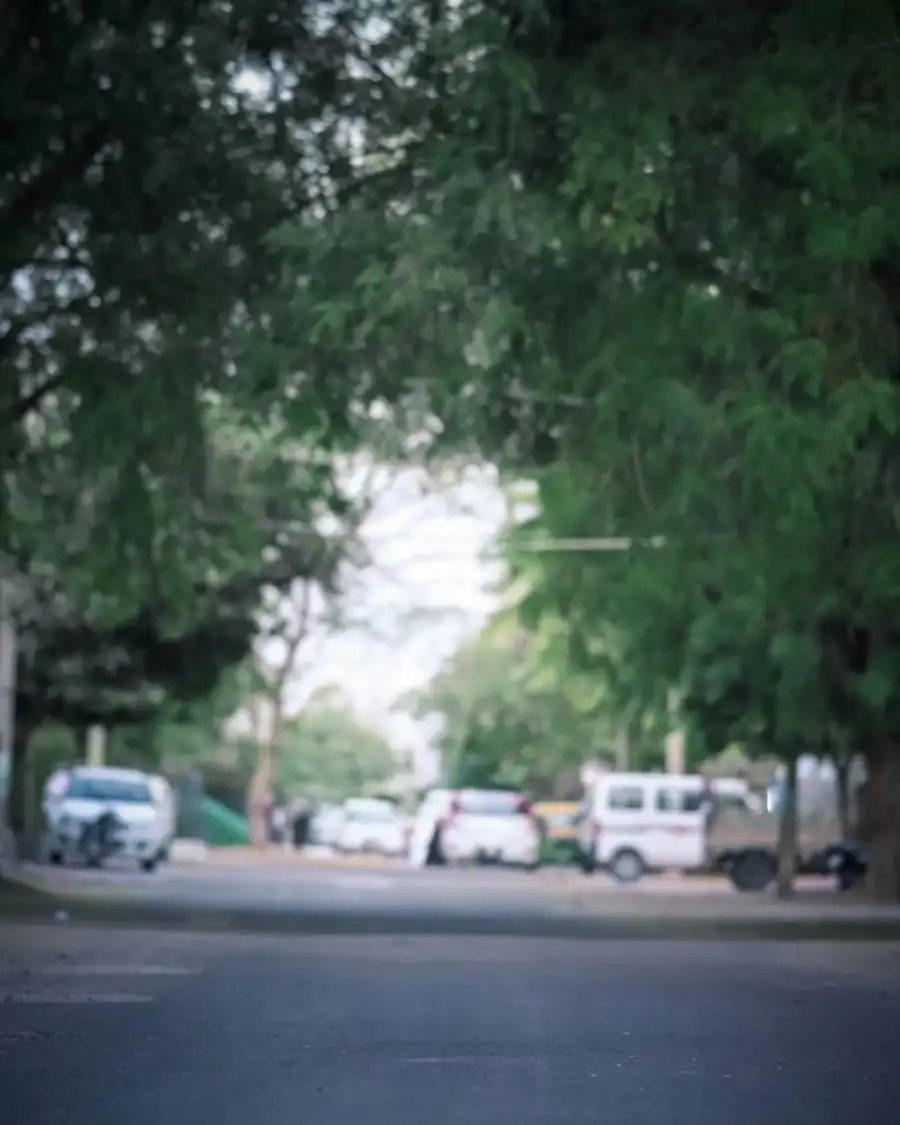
{"x":881,"y":818}
{"x":787,"y":833}
{"x":16,"y":801}
{"x":842,"y":773}
{"x":259,"y":797}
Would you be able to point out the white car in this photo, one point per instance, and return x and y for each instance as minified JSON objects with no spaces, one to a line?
{"x":490,"y":826}
{"x":326,"y":826}
{"x":90,"y":791}
{"x":370,"y":825}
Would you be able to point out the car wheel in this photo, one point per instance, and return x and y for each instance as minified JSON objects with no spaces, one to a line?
{"x":536,"y":866}
{"x":753,"y":871}
{"x":149,"y":865}
{"x":627,"y":866}
{"x":587,"y":862}
{"x":56,"y":858}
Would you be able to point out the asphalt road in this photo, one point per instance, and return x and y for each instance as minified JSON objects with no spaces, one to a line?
{"x":100,"y":1028}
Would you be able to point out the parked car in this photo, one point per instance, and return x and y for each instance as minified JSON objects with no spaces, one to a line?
{"x":371,"y":825}
{"x":490,"y":826}
{"x":85,"y":794}
{"x":327,"y":822}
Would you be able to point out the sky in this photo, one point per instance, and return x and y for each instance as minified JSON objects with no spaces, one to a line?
{"x":429,"y":584}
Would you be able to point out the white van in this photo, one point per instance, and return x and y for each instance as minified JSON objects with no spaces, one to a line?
{"x":632,"y":823}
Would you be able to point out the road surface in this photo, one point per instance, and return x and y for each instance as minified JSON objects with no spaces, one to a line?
{"x":100,"y":1028}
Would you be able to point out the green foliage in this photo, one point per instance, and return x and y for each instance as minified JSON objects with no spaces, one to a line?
{"x":510,"y":716}
{"x":326,"y":753}
{"x":656,"y":251}
{"x":83,"y":661}
{"x":142,"y":176}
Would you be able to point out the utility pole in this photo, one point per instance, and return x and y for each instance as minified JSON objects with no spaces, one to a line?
{"x":96,"y":746}
{"x":675,"y":755}
{"x":623,"y":747}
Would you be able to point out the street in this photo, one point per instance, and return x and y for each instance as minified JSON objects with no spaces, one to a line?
{"x":101,"y":1027}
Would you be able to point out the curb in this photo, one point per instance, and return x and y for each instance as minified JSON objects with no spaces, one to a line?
{"x":45,"y":888}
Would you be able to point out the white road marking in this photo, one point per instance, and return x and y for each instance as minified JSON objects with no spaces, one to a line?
{"x":116,"y":971}
{"x":438,"y":1060}
{"x":361,"y":882}
{"x":73,"y":998}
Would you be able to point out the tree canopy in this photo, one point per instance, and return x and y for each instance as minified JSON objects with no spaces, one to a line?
{"x":327,"y":753}
{"x":515,"y":711}
{"x":649,"y":254}
{"x":148,"y":157}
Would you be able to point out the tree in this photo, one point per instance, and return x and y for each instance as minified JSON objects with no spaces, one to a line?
{"x":328,"y":754}
{"x":652,"y":625}
{"x":142,"y":177}
{"x":77,"y":673}
{"x":678,"y":284}
{"x":270,"y":677}
{"x":509,"y":717}
{"x":252,"y":538}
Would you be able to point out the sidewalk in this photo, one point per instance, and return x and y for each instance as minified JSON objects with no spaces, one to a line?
{"x":612,"y":916}
{"x":275,"y":856}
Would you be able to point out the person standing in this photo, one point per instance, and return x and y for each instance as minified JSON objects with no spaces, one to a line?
{"x":300,"y":822}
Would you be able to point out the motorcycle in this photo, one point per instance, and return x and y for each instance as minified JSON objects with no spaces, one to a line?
{"x":100,"y":839}
{"x":849,"y":864}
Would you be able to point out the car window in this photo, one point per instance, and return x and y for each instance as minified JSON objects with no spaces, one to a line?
{"x":675,"y":800}
{"x":376,"y":816}
{"x":734,"y":803}
{"x":625,"y":797}
{"x":371,"y":814}
{"x":109,"y":789}
{"x":474,"y":803}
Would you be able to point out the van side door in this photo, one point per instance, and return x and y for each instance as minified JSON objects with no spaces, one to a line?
{"x":678,"y":835}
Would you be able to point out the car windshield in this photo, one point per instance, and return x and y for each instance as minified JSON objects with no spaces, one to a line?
{"x":474,"y":803}
{"x":110,"y":789}
{"x":372,"y":814}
